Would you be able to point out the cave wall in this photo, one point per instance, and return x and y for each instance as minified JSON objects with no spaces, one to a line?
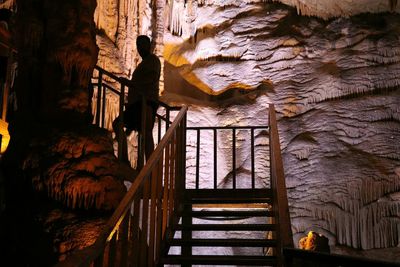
{"x":62,"y":179}
{"x":334,"y":81}
{"x":56,"y":56}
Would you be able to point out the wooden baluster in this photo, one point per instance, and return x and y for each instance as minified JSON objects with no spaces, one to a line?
{"x":183,"y":153}
{"x":123,"y":240}
{"x":142,"y":135}
{"x":145,"y":224}
{"x":166,"y":189}
{"x":215,"y":159}
{"x":98,"y":262}
{"x":112,"y":250}
{"x":159,"y":215}
{"x":153,"y":196}
{"x":99,"y":90}
{"x":252,"y":158}
{"x":121,"y":134}
{"x":171,"y":196}
{"x":167,"y":117}
{"x":103,"y":106}
{"x":135,"y":248}
{"x":234,"y":158}
{"x":159,"y":129}
{"x":198,"y":159}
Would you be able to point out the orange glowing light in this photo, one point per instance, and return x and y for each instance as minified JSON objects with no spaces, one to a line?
{"x":5,"y":136}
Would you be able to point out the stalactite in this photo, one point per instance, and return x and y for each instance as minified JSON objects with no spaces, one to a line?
{"x":177,"y":16}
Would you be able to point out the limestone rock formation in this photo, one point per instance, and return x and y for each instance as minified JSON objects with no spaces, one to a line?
{"x":335,"y":84}
{"x":71,"y":231}
{"x":328,"y":9}
{"x":77,"y":168}
{"x":332,"y":74}
{"x":62,"y":177}
{"x":334,"y":80}
{"x":57,"y":54}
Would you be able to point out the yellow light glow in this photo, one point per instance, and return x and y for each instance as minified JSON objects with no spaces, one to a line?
{"x":5,"y":136}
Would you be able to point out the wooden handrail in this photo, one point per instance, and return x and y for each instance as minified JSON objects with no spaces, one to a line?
{"x":280,"y":202}
{"x":152,"y":187}
{"x":101,"y":83}
{"x":102,"y":88}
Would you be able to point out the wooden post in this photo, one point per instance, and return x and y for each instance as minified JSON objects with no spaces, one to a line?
{"x":7,"y":85}
{"x":142,"y":135}
{"x":123,"y":233}
{"x":121,"y":121}
{"x":280,"y":202}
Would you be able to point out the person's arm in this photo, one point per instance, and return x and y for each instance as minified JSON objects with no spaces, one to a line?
{"x":126,"y":81}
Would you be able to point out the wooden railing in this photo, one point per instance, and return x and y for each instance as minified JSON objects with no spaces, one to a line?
{"x":104,"y":83}
{"x":280,"y":205}
{"x":134,"y":233}
{"x":219,"y":135}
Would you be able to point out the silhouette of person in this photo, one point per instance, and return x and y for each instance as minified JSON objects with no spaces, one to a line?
{"x":144,"y":82}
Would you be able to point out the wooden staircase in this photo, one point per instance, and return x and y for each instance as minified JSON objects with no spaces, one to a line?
{"x":167,"y":218}
{"x":217,"y":220}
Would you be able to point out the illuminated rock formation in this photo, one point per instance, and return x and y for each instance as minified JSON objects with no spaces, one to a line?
{"x":335,"y":84}
{"x":77,"y":168}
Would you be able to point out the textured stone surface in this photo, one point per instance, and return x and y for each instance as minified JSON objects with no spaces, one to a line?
{"x":71,"y":231}
{"x":77,"y":168}
{"x":55,"y":157}
{"x":328,"y":9}
{"x":56,"y":56}
{"x":335,"y":85}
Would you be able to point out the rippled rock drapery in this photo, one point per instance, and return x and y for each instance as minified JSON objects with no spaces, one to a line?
{"x":328,"y":9}
{"x":335,"y":84}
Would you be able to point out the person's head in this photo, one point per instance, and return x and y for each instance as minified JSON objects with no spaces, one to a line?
{"x":143,"y":45}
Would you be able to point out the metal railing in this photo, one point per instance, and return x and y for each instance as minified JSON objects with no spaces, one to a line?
{"x":134,"y":234}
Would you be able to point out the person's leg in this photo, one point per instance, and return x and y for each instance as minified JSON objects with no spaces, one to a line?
{"x":120,"y":135}
{"x":149,"y":144}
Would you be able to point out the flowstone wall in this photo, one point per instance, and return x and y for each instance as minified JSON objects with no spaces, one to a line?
{"x":335,"y":84}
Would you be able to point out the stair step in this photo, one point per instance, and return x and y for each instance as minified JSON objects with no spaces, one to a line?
{"x":218,"y":196}
{"x":217,"y":200}
{"x":232,"y":242}
{"x":221,"y":260}
{"x":226,"y":227}
{"x":231,"y":213}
